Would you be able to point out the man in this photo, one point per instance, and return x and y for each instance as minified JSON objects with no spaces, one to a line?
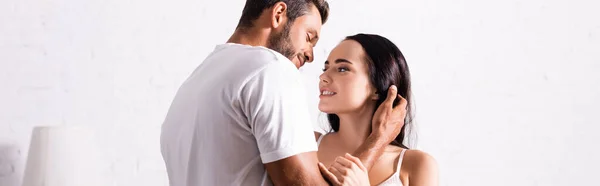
{"x":241,"y":117}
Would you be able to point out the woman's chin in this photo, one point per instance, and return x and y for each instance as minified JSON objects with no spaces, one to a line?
{"x":325,"y":109}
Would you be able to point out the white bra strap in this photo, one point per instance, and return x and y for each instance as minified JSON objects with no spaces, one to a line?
{"x":400,"y":160}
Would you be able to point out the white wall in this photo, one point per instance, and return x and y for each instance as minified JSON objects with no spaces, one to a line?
{"x":507,"y":92}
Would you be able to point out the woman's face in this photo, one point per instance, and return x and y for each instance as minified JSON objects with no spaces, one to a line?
{"x":344,"y":84}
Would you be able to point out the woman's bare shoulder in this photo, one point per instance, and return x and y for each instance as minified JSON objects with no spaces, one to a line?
{"x":418,"y":158}
{"x":420,"y":166}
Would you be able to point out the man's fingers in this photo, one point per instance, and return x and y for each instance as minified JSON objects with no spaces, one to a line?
{"x":328,"y":175}
{"x":356,"y":161}
{"x":389,"y":100}
{"x":402,"y":104}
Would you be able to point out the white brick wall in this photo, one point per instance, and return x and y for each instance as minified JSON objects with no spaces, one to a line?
{"x":507,"y":92}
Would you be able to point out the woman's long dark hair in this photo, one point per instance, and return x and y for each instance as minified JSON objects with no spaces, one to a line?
{"x":387,"y":67}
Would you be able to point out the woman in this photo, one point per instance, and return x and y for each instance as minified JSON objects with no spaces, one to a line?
{"x":355,"y":80}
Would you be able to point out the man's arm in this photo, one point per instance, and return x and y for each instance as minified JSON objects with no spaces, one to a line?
{"x":274,"y":102}
{"x":371,"y":150}
{"x":300,"y":169}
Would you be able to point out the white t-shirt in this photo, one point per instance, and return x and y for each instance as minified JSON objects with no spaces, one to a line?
{"x":241,"y":108}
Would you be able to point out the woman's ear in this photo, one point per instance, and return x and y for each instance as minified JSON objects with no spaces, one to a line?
{"x":375,"y":96}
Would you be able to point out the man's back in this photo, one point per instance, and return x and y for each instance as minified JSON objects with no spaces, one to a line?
{"x":226,"y":119}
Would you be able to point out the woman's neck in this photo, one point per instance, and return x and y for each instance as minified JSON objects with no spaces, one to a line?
{"x":355,"y":127}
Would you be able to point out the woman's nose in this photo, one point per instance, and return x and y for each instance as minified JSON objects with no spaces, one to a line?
{"x":324,"y":78}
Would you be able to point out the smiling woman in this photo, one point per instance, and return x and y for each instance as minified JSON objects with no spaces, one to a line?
{"x":354,"y":83}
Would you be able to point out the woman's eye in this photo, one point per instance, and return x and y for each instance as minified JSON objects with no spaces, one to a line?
{"x":324,"y":69}
{"x":342,"y":69}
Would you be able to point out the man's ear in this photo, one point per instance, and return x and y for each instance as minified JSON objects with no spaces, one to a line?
{"x":279,"y":14}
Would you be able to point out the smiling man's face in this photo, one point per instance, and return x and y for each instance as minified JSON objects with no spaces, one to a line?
{"x":298,"y":38}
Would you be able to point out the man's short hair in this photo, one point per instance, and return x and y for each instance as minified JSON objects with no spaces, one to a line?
{"x":295,"y":9}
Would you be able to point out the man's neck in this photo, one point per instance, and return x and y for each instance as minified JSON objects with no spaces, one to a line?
{"x":250,"y":36}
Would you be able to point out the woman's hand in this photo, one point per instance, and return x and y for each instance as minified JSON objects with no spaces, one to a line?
{"x":347,"y":171}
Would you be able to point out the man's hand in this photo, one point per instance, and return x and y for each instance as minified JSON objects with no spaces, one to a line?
{"x":346,"y":171}
{"x":387,"y":120}
{"x":386,"y":124}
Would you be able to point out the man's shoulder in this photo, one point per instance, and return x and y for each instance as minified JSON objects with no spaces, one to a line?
{"x":252,"y":54}
{"x":257,"y":61}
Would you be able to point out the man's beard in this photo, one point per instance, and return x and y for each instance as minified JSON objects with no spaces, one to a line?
{"x":282,"y":43}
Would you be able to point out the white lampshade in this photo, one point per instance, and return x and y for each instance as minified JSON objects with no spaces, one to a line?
{"x":64,"y":156}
